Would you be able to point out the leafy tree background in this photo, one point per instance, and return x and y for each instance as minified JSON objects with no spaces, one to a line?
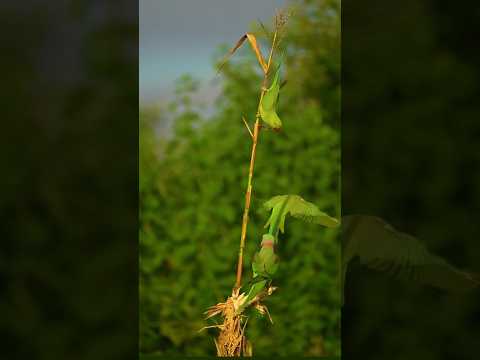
{"x":192,"y":185}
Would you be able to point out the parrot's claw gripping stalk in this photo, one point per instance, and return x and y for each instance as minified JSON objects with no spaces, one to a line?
{"x":262,"y":309}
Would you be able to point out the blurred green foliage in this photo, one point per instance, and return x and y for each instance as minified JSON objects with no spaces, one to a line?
{"x":192,"y":186}
{"x":410,"y":155}
{"x":68,"y":205}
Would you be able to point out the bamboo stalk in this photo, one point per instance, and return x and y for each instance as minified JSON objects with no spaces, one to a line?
{"x":248,"y":193}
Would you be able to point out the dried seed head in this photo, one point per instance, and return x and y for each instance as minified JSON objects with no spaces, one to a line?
{"x":281,"y":18}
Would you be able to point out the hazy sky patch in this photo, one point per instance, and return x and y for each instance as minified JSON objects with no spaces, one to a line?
{"x":180,"y":36}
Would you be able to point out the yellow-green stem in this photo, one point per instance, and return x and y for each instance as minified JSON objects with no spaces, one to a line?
{"x":248,"y":194}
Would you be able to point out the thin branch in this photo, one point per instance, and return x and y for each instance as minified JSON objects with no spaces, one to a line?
{"x":248,"y":127}
{"x":271,"y":51}
{"x":248,"y":194}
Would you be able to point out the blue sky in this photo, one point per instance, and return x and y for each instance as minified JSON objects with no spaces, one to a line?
{"x":180,"y":36}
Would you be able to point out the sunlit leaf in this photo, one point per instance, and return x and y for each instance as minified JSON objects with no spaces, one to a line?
{"x":253,"y":42}
{"x":256,"y":49}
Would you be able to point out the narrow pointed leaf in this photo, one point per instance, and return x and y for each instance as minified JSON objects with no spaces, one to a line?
{"x":268,"y":33}
{"x":232,"y":51}
{"x":253,"y":43}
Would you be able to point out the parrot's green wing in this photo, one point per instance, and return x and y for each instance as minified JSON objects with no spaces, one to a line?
{"x":256,"y":288}
{"x":256,"y":264}
{"x":281,"y":205}
{"x":306,"y":211}
{"x":258,"y":279}
{"x":269,"y":102}
{"x":380,"y":247}
{"x":270,"y":97}
{"x":265,"y":263}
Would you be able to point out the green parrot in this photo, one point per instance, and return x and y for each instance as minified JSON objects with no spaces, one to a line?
{"x":265,"y":262}
{"x":269,"y":103}
{"x":264,"y":266}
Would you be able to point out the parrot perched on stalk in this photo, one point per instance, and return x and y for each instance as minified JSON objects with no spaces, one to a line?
{"x":265,"y":261}
{"x":269,"y":102}
{"x":264,"y":266}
